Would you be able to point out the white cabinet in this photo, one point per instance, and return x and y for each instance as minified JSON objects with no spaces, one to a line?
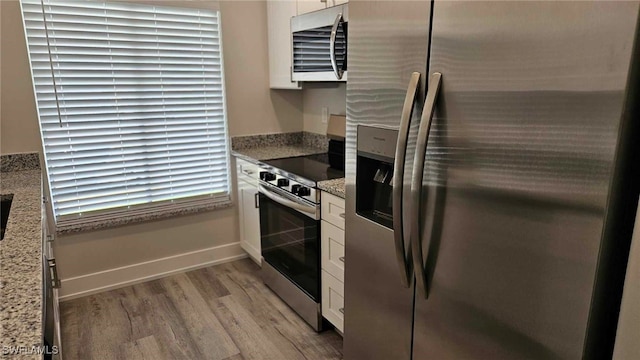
{"x":279,"y":13}
{"x":50,"y":273}
{"x":307,"y":6}
{"x":249,"y":220}
{"x":332,"y":209}
{"x":332,"y":258}
{"x":248,"y":211}
{"x":333,"y":300}
{"x":332,"y":249}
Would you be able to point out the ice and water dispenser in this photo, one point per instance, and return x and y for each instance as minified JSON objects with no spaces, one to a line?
{"x":374,"y":174}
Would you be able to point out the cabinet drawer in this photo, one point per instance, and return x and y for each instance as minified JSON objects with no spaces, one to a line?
{"x":332,"y":209}
{"x":332,"y":248}
{"x":333,"y":300}
{"x":247,"y":171}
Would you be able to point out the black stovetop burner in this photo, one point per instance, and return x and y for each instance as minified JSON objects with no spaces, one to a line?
{"x":311,"y":167}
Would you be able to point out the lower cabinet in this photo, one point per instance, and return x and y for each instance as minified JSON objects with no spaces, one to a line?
{"x":333,"y":300}
{"x":248,"y":211}
{"x":332,"y":260}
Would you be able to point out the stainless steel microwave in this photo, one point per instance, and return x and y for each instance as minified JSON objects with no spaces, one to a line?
{"x":319,"y":51}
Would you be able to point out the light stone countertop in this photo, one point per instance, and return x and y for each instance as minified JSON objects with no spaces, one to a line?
{"x":334,"y":187}
{"x":254,"y":154}
{"x":21,"y":263}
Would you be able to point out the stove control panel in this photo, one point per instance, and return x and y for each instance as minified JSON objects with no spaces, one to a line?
{"x":289,"y":184}
{"x":267,"y":176}
{"x":303,"y":191}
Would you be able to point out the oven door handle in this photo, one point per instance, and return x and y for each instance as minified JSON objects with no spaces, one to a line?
{"x":306,"y":209}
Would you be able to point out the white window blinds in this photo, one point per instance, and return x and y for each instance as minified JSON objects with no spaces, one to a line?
{"x":131,"y":106}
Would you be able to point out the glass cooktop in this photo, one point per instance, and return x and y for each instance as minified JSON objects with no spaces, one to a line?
{"x":312,"y":167}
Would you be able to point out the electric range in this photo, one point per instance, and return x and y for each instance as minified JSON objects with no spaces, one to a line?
{"x":289,"y":203}
{"x":299,"y":175}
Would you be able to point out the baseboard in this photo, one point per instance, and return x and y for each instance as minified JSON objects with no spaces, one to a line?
{"x":84,"y":285}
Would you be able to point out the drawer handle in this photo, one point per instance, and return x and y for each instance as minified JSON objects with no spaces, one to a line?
{"x":247,"y":172}
{"x":342,"y":215}
{"x":341,"y":258}
{"x":341,"y":310}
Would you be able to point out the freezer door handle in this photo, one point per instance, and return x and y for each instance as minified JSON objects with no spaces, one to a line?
{"x":398,"y":174}
{"x":416,"y":182}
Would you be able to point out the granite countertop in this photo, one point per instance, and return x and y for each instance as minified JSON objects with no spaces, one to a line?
{"x":275,"y":152}
{"x":334,"y":187}
{"x":21,"y":263}
{"x":255,"y":148}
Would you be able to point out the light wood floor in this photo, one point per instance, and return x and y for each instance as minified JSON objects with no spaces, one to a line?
{"x":220,"y":312}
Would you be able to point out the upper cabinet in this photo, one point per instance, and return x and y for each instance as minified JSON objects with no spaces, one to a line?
{"x":279,"y":14}
{"x":307,"y":6}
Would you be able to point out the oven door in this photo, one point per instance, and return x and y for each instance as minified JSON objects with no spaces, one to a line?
{"x":290,"y":238}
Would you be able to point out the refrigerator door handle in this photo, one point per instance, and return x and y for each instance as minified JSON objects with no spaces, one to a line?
{"x":416,"y":182}
{"x":398,"y":175}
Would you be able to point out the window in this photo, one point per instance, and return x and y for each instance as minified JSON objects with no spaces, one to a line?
{"x":131,"y":106}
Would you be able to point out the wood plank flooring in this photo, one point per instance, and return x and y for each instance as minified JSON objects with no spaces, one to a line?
{"x":223,"y":312}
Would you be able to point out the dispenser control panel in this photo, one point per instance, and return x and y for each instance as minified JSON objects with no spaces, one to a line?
{"x":377,"y":141}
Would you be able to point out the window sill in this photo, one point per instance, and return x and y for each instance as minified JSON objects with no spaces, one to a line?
{"x":159,"y":215}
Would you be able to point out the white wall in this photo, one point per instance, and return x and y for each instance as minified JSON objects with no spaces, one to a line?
{"x":318,"y":95}
{"x":251,"y":107}
{"x":19,"y":130}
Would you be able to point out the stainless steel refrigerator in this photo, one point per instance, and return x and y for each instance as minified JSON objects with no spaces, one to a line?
{"x":489,"y":188}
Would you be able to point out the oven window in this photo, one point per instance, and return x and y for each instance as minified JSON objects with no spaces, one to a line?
{"x":291,"y":244}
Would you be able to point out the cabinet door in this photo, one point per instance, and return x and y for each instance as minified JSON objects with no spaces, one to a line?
{"x":249,"y":219}
{"x":279,"y":15}
{"x":332,"y":209}
{"x":332,"y":250}
{"x":307,"y":6}
{"x":56,"y":318}
{"x":247,"y":171}
{"x":336,"y":2}
{"x":333,"y":300}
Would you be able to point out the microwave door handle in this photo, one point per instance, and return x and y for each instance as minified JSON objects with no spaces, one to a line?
{"x":416,"y":182}
{"x":332,"y":47}
{"x":398,"y":175}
